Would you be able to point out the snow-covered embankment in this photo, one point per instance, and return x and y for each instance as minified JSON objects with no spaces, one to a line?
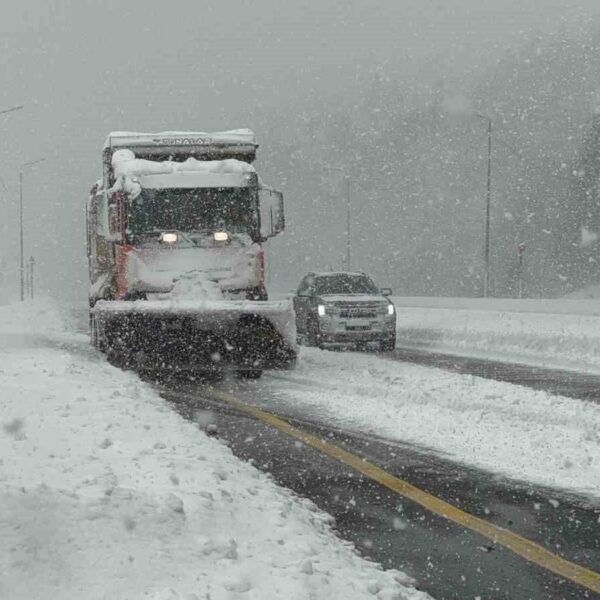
{"x":107,"y":493}
{"x":563,"y":333}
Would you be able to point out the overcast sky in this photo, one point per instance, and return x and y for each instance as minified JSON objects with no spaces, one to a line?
{"x":84,"y":68}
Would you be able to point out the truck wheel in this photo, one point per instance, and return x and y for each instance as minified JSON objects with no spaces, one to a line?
{"x":387,"y":345}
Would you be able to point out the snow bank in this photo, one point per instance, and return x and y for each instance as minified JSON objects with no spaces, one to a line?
{"x":505,"y":429}
{"x":107,"y":493}
{"x":567,"y":305}
{"x":561,"y":333}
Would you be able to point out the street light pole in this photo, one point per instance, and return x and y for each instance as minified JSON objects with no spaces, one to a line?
{"x":488,"y":199}
{"x":21,"y":256}
{"x":486,"y":286}
{"x":3,"y":112}
{"x":348,"y":224}
{"x":21,"y":259}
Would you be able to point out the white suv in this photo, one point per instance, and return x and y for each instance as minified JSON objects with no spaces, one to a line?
{"x":344,"y":308}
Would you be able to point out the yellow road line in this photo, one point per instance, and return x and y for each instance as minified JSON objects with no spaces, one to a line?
{"x":529,"y":550}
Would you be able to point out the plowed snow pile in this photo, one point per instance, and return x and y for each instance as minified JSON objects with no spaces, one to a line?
{"x":505,"y":429}
{"x":561,"y":333}
{"x":107,"y":493}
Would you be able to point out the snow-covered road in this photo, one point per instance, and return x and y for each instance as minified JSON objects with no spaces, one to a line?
{"x":105,"y":492}
{"x":506,"y":429}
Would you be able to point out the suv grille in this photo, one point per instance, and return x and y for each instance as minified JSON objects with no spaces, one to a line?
{"x":360,"y":310}
{"x":358,"y":313}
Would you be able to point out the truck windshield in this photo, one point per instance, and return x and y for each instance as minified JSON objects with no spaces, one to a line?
{"x":344,"y":284}
{"x":194,"y":210}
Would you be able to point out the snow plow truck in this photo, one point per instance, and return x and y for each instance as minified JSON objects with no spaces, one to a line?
{"x":175,"y":230}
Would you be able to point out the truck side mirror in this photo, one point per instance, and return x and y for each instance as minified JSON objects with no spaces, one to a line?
{"x":272,"y":220}
{"x":278,"y":216}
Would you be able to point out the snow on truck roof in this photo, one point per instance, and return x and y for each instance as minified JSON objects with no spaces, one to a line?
{"x":235,"y":137}
{"x":132,"y":174}
{"x":126,"y":164}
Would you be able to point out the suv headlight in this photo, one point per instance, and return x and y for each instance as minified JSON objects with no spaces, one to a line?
{"x":321,"y":310}
{"x":390,"y":310}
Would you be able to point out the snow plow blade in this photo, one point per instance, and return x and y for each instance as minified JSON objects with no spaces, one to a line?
{"x":244,"y":336}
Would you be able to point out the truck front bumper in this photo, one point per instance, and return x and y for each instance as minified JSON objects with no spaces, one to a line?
{"x":160,"y":335}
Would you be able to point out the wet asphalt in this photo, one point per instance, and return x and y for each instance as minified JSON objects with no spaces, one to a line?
{"x":443,"y":558}
{"x":555,"y":381}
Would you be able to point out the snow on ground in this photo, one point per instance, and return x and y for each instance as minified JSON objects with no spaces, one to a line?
{"x":503,"y":428}
{"x":562,"y":333}
{"x":105,"y":492}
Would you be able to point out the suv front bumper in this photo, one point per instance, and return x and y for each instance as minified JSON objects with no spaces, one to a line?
{"x":355,"y":337}
{"x":333,"y":330}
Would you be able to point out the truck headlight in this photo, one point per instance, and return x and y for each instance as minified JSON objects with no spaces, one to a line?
{"x":390,"y":309}
{"x":168,"y":237}
{"x":321,"y":310}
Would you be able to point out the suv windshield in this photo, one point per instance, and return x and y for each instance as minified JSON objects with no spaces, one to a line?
{"x":344,"y":284}
{"x":194,"y":210}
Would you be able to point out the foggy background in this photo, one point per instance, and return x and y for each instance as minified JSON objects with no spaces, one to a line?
{"x":382,"y":92}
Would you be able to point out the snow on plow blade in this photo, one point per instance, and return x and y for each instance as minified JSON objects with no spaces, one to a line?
{"x":160,"y":335}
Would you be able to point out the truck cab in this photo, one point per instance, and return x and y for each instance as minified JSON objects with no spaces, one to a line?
{"x":155,"y":225}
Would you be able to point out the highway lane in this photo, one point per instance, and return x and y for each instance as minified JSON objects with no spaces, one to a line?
{"x":445,"y":559}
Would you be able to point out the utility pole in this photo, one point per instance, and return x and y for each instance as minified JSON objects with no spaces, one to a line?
{"x":488,"y":203}
{"x":21,"y":255}
{"x":488,"y":199}
{"x":521,"y":252}
{"x":348,"y":224}
{"x":21,"y":259}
